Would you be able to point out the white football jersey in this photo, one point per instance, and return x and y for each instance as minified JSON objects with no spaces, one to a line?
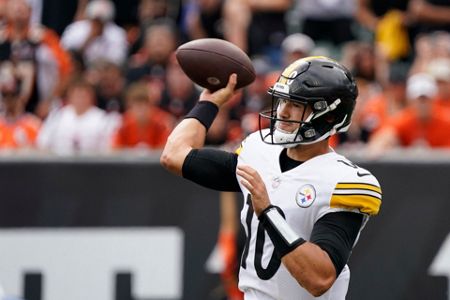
{"x":323,"y":184}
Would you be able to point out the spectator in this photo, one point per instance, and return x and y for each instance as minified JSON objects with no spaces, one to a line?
{"x":150,"y":63}
{"x":267,"y":27}
{"x":419,"y":125}
{"x":424,"y":53}
{"x":440,"y":70}
{"x":430,"y":15}
{"x":179,"y":94}
{"x":17,"y":128}
{"x":294,"y":46}
{"x":97,"y":37}
{"x":255,"y":97}
{"x":144,"y":125}
{"x":78,"y":127}
{"x":391,"y":23}
{"x":36,"y":48}
{"x":206,"y":18}
{"x":149,"y":12}
{"x":390,"y":101}
{"x":109,"y":82}
{"x":327,"y":21}
{"x":429,"y":47}
{"x":364,"y":63}
{"x":56,"y":14}
{"x":258,"y":27}
{"x":370,"y":12}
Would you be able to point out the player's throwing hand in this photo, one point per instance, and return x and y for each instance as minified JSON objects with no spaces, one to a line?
{"x":221,"y":96}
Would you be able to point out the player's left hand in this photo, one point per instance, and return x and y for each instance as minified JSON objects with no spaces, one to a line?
{"x":255,"y":185}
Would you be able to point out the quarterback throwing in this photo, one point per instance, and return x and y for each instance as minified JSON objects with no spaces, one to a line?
{"x":305,"y":205}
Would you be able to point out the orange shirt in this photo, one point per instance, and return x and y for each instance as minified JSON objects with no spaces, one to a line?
{"x":47,"y":37}
{"x":435,"y":132}
{"x":375,"y":113}
{"x":442,"y":104}
{"x":20,"y":133}
{"x":153,"y":134}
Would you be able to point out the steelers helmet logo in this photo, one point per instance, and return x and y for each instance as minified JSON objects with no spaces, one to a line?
{"x":305,"y":196}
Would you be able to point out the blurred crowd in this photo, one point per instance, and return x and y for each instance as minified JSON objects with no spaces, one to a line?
{"x":99,"y":76}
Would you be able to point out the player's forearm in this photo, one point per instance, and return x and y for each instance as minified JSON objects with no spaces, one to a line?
{"x":188,"y":134}
{"x":307,"y":262}
{"x":311,"y":267}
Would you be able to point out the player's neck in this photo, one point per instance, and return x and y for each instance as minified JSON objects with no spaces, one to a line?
{"x":305,"y":152}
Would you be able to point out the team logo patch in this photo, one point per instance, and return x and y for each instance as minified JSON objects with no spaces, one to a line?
{"x":305,"y":195}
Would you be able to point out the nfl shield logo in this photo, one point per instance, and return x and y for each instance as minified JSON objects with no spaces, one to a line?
{"x":305,"y":195}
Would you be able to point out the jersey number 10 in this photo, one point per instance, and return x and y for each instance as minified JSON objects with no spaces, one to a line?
{"x":274,"y":263}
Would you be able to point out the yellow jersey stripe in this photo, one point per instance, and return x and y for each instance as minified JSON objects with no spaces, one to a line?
{"x":366,"y":204}
{"x":238,"y":150}
{"x":363,"y":186}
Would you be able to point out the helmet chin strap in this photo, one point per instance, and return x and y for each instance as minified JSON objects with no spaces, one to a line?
{"x":282,"y":137}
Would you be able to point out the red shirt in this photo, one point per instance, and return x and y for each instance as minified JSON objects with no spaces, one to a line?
{"x":153,"y":134}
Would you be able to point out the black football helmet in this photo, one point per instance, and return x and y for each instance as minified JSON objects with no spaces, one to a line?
{"x":324,"y":85}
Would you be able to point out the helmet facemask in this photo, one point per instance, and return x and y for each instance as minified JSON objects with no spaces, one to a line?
{"x":306,"y":132}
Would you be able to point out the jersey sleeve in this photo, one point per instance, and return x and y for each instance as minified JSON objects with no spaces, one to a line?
{"x":361,"y":193}
{"x":336,"y":234}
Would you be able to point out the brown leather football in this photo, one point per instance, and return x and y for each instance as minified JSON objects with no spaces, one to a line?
{"x":210,"y":62}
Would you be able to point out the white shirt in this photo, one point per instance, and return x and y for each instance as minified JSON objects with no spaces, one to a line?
{"x":64,"y":132}
{"x":326,"y":183}
{"x":112,"y":45}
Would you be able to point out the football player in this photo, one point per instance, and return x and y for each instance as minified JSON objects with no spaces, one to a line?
{"x":305,"y":204}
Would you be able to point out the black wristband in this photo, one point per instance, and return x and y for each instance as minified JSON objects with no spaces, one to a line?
{"x":283,"y":237}
{"x":205,"y":112}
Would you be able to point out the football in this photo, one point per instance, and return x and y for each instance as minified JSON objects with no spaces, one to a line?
{"x":209,"y":63}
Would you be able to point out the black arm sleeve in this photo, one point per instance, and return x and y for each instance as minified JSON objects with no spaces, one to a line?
{"x":212,"y":168}
{"x":336,"y":233}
